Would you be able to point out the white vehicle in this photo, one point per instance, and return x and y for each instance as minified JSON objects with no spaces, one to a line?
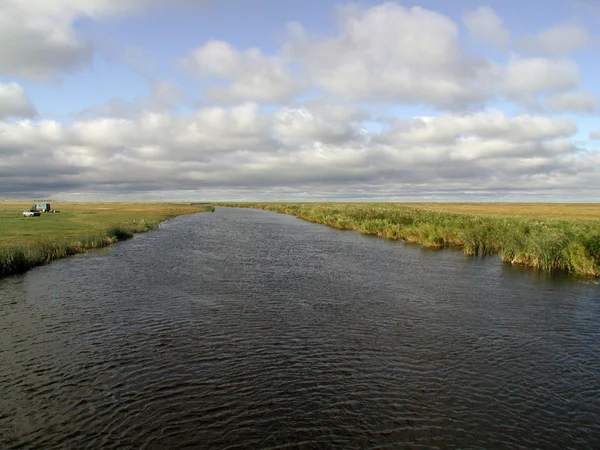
{"x":31,"y":213}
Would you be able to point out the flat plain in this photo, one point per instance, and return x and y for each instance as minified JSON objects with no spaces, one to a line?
{"x":79,"y":218}
{"x":560,"y":211}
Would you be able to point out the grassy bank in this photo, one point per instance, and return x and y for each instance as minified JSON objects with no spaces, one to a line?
{"x":26,"y":242}
{"x":547,"y":237}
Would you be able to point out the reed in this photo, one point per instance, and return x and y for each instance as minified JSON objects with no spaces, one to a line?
{"x":571,"y":245}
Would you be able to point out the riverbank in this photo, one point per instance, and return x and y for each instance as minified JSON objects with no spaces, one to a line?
{"x":27,"y":242}
{"x":546,"y":237}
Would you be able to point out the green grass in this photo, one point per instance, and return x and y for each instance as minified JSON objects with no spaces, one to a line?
{"x":26,"y":242}
{"x":570,"y":243}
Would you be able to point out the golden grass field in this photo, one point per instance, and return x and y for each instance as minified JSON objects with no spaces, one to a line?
{"x":559,"y":211}
{"x":556,"y":211}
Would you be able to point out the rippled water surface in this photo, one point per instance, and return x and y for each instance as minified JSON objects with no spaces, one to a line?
{"x":249,"y":329}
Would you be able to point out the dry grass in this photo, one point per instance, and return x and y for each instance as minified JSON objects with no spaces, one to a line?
{"x":559,"y":211}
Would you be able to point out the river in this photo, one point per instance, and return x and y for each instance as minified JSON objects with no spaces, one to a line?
{"x":250,"y":329}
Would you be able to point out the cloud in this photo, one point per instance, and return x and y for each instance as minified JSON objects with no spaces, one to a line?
{"x":301,"y":127}
{"x":319,"y":116}
{"x":313,"y":148}
{"x":388,"y":53}
{"x":38,"y":40}
{"x":576,"y":102}
{"x":393,"y":54}
{"x":558,"y":40}
{"x":524,"y":78}
{"x":595,"y":135}
{"x":36,"y":48}
{"x":164,"y":96}
{"x":163,"y":136}
{"x":492,"y":125}
{"x":14,"y":101}
{"x":385,"y":54}
{"x":250,"y":74}
{"x":483,"y":23}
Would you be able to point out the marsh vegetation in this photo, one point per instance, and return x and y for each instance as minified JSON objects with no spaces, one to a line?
{"x":26,"y":242}
{"x":547,"y":237}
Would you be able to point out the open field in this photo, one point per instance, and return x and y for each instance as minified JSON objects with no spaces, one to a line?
{"x":560,"y":211}
{"x":544,"y":236}
{"x":27,"y":242}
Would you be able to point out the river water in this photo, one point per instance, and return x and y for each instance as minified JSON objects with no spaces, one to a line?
{"x":250,"y":329}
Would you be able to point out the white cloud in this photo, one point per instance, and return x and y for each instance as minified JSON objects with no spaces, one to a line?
{"x":172,"y":137}
{"x":388,"y":53}
{"x":38,"y":39}
{"x":300,"y":127}
{"x":301,"y":149}
{"x":576,"y":102}
{"x":331,"y":111}
{"x":250,"y":74}
{"x":392,"y":54}
{"x":14,"y":101}
{"x":484,"y":23}
{"x":37,"y":48}
{"x":492,"y":125}
{"x":595,"y":135}
{"x":384,"y":54}
{"x":524,"y":78}
{"x":377,"y":60}
{"x":558,"y":40}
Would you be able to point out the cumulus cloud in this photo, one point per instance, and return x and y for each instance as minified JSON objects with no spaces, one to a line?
{"x":595,"y":135}
{"x":484,"y":23}
{"x":296,"y":148}
{"x":492,"y":125}
{"x":576,"y":102}
{"x":319,"y":121}
{"x":163,"y":136}
{"x":250,"y":74}
{"x":384,"y":54}
{"x":319,"y":116}
{"x":558,"y":40}
{"x":388,"y":53}
{"x":522,"y":79}
{"x":38,"y":40}
{"x":301,"y":127}
{"x":332,"y":111}
{"x":14,"y":101}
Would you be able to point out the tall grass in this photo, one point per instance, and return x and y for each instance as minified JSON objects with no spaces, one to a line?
{"x":568,"y":245}
{"x":30,"y":242}
{"x":20,"y":258}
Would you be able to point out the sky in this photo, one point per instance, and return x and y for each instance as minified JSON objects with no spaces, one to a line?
{"x":431,"y":100}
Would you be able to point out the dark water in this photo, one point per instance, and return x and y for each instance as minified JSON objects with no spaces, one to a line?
{"x":248,"y":329}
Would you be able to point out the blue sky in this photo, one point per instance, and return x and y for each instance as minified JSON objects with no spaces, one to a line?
{"x":445,"y":100}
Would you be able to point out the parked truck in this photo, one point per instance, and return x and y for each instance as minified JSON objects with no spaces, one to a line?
{"x":41,"y":207}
